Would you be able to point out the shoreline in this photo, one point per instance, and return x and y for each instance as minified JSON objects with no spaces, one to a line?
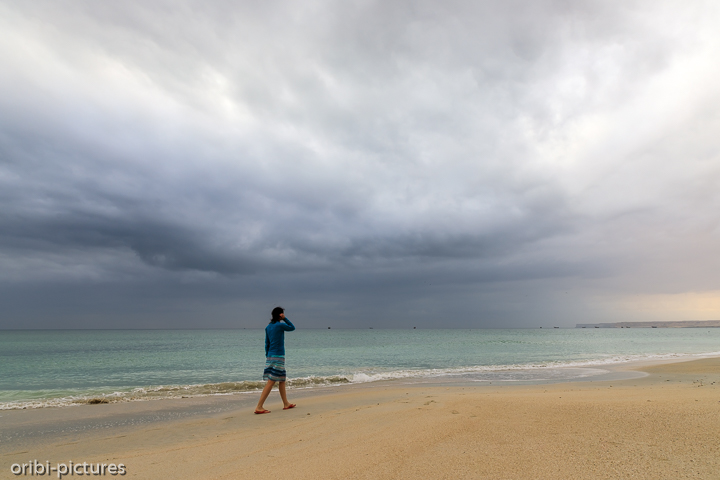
{"x":673,"y":404}
{"x":535,"y":374}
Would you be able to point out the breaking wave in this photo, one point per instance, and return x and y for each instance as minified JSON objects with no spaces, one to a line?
{"x":539,"y":372}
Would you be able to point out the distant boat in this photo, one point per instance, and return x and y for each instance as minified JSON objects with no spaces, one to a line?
{"x":556,"y":327}
{"x":654,"y":326}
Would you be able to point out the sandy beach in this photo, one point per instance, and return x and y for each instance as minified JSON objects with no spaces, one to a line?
{"x":665,"y":425}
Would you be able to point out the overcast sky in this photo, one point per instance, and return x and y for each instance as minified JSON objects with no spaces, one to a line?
{"x":361,"y":163}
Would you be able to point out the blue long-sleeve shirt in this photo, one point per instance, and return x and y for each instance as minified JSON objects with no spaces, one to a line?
{"x":275,"y":337}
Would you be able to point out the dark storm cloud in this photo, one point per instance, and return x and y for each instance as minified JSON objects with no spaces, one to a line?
{"x":335,"y":152}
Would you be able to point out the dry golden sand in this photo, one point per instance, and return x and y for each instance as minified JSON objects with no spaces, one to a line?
{"x":663,"y":426}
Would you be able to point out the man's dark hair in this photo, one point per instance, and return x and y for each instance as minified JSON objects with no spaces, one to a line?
{"x":276,"y":314}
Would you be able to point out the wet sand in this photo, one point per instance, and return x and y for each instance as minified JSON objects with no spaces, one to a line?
{"x":662,"y":426}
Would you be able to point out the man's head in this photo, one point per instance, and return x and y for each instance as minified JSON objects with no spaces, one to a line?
{"x":277,"y":314}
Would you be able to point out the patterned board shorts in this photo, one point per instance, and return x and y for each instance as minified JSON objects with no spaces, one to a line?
{"x":274,"y":369}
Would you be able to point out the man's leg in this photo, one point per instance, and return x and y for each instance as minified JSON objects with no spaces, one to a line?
{"x":265,"y":393}
{"x":281,"y":387}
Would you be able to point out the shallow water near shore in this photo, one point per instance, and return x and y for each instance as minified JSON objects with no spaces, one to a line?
{"x":59,"y":368}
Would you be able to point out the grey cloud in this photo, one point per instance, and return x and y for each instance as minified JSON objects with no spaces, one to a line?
{"x":369,"y":147}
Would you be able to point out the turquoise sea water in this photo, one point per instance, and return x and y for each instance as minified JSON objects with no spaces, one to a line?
{"x":55,"y":368}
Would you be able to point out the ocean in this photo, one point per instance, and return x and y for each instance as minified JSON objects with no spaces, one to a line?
{"x":70,"y":367}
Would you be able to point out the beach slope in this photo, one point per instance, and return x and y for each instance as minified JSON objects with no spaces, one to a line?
{"x":663,"y":426}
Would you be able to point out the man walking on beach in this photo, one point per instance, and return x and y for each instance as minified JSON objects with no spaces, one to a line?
{"x":275,"y":358}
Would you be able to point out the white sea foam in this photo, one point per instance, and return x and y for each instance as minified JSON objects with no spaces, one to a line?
{"x":579,"y":369}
